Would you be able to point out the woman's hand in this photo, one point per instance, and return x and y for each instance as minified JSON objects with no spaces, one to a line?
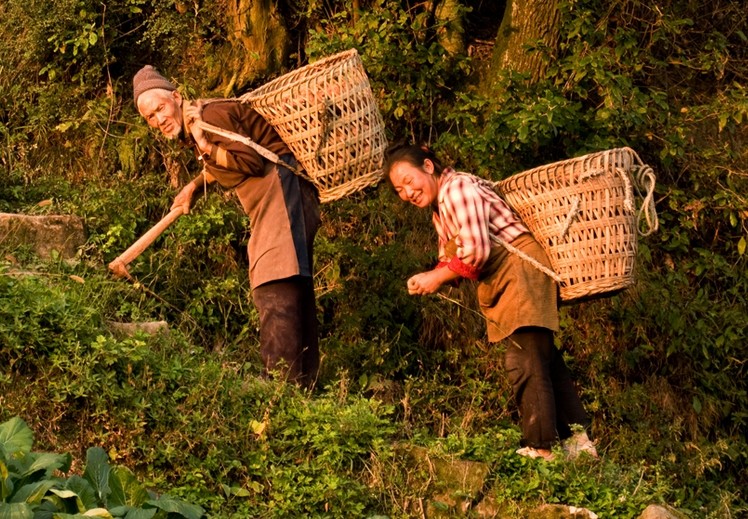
{"x":430,"y":281}
{"x":424,"y":283}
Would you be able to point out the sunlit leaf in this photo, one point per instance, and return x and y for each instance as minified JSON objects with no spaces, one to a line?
{"x":177,"y":506}
{"x":16,"y":438}
{"x":125,"y":489}
{"x":15,"y":511}
{"x":97,"y":472}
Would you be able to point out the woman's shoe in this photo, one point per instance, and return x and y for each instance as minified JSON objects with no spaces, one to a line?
{"x":578,"y":444}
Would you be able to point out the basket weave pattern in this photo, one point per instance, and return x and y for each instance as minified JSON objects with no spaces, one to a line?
{"x":327,"y":115}
{"x":582,"y":212}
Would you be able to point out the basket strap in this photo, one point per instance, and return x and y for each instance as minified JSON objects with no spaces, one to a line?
{"x":646,"y":177}
{"x":529,"y":259}
{"x":514,"y":250}
{"x":261,"y":150}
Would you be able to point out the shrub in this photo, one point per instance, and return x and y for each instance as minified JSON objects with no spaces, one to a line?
{"x":31,"y":487}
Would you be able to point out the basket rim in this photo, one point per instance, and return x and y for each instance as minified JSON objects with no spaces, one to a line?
{"x":573,"y":160}
{"x":288,"y":80}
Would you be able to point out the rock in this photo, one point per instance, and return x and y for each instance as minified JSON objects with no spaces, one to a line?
{"x":43,"y":234}
{"x":130,"y":329}
{"x":451,"y":486}
{"x":561,"y":512}
{"x":661,"y":512}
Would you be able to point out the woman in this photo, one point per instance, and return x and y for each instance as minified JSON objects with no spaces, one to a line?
{"x":518,"y":300}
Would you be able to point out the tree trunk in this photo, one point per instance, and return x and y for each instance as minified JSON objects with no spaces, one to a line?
{"x":258,"y":44}
{"x":529,"y":22}
{"x":448,"y":15}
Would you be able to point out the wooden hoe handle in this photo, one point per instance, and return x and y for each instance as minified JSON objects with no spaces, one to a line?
{"x":119,"y":265}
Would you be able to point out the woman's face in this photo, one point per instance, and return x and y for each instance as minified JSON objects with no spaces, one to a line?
{"x":417,"y":185}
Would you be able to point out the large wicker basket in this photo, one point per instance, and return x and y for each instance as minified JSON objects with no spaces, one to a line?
{"x":582,"y":211}
{"x":327,"y":115}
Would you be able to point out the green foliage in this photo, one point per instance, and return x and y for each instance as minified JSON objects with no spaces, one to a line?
{"x":410,"y":71}
{"x":660,"y":367}
{"x":31,"y":486}
{"x":35,"y":321}
{"x":76,"y":51}
{"x":267,"y":439}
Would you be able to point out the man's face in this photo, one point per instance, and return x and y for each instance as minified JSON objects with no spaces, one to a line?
{"x":162,"y":109}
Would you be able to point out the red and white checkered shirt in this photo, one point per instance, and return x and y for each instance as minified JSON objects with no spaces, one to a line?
{"x":470,"y":212}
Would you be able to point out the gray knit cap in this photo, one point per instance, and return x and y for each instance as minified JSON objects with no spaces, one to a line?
{"x":148,"y":78}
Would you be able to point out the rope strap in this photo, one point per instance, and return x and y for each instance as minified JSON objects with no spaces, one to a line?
{"x":261,"y":150}
{"x":529,"y":259}
{"x":646,"y":178}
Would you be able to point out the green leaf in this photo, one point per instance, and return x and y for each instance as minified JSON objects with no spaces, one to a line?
{"x":741,"y":246}
{"x":33,"y":493}
{"x":47,"y":462}
{"x":177,"y":506}
{"x":63,"y":127}
{"x":140,"y":513}
{"x":126,"y":490}
{"x":15,"y":511}
{"x":6,"y":485}
{"x":235,"y":491}
{"x":64,"y":494}
{"x":85,"y":492}
{"x":16,"y":438}
{"x":97,"y":472}
{"x":65,"y":500}
{"x":71,"y":516}
{"x":94,"y":512}
{"x":723,"y":117}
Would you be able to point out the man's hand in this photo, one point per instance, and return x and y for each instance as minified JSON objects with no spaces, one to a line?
{"x":184,"y":198}
{"x":193,"y":113}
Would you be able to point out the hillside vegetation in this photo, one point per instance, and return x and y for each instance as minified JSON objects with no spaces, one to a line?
{"x":661,"y":367}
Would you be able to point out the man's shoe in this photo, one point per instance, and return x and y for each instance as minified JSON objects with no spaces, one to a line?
{"x":535,"y":453}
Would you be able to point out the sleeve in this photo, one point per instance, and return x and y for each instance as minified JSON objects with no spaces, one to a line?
{"x":469,"y":214}
{"x":442,"y":255}
{"x":227,"y":154}
{"x":203,"y":178}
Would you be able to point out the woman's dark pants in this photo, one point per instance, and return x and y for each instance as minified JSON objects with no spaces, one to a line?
{"x":547,"y":399}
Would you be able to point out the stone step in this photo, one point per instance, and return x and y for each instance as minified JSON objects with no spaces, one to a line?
{"x":43,"y":234}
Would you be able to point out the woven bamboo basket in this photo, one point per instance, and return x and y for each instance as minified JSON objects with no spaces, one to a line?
{"x":583,"y":213}
{"x":327,"y":115}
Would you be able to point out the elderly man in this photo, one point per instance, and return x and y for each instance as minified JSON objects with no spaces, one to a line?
{"x":283,"y":210}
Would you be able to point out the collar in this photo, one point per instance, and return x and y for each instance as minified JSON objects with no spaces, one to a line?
{"x":445,"y":175}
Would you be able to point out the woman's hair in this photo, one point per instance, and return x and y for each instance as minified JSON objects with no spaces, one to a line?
{"x":412,"y":154}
